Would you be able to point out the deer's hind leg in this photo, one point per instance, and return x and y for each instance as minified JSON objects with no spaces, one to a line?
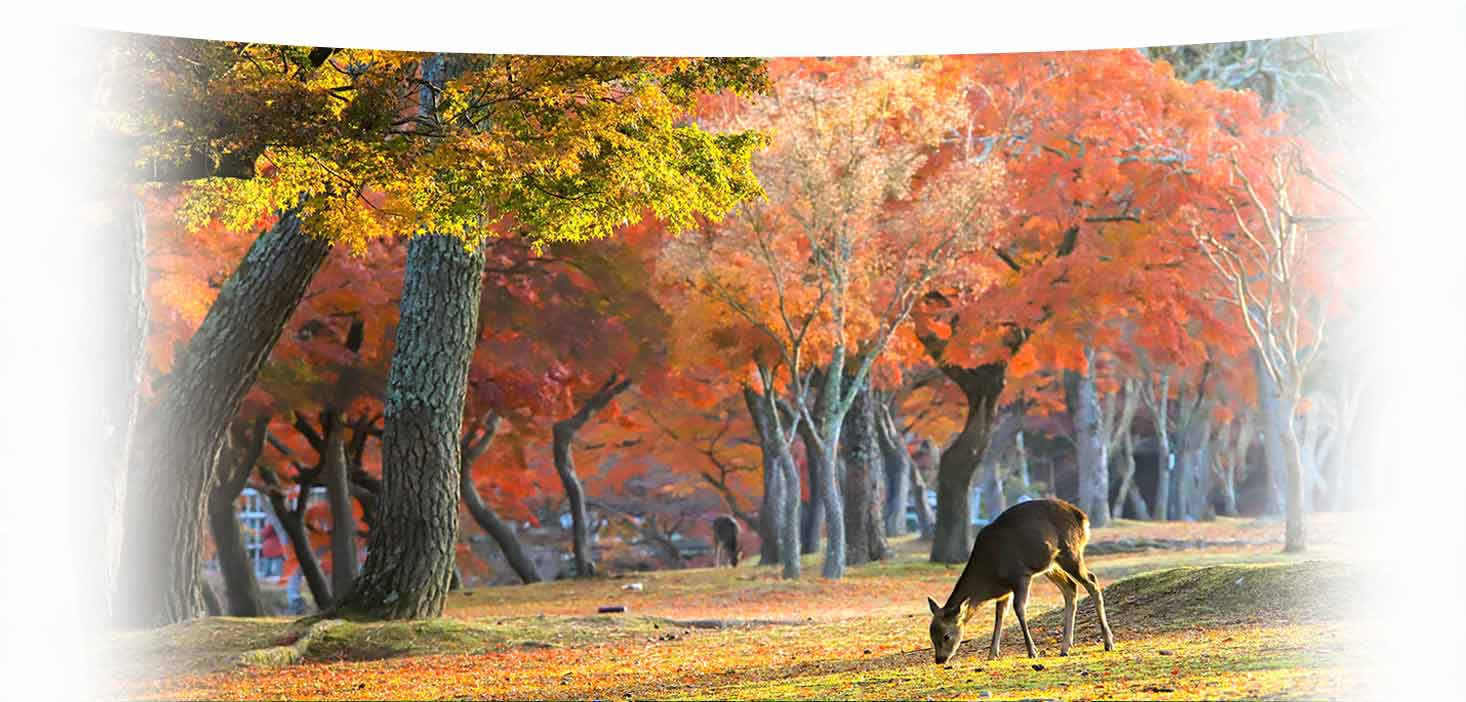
{"x":1068,"y":589}
{"x":1074,"y":567}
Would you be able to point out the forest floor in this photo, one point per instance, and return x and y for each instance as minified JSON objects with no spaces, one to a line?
{"x":1199,"y":610}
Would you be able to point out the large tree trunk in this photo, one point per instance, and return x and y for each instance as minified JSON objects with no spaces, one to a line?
{"x":563,"y":434}
{"x":116,"y":344}
{"x":241,"y":589}
{"x":864,"y":528}
{"x":1094,"y":464}
{"x":482,"y":513}
{"x":174,"y":458}
{"x":338,"y":491}
{"x":952,"y":538}
{"x":410,"y":555}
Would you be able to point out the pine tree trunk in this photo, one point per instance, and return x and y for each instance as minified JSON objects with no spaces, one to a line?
{"x":952,"y":536}
{"x":241,"y":588}
{"x":1094,"y":470}
{"x":174,"y":458}
{"x":410,"y":555}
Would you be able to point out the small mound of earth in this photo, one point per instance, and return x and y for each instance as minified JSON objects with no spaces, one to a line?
{"x":1223,"y":595}
{"x":1136,"y":545}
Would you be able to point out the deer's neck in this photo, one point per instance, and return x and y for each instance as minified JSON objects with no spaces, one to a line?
{"x":978,"y":584}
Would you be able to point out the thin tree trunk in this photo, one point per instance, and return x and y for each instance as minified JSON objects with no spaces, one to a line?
{"x":241,"y":589}
{"x":1094,"y":464}
{"x":1127,"y":476}
{"x":779,"y":515}
{"x":864,"y":528}
{"x":1137,"y":500}
{"x":1295,"y":536}
{"x":338,"y":491}
{"x":563,"y":433}
{"x":898,"y":469}
{"x":410,"y":555}
{"x":1274,"y":452}
{"x":1165,"y":460}
{"x":926,"y":521}
{"x":293,"y":522}
{"x":178,"y":440}
{"x":952,"y":537}
{"x":814,"y":510}
{"x":1022,"y":453}
{"x":487,"y":518}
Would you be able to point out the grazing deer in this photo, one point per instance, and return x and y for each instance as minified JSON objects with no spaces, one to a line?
{"x":725,"y":539}
{"x":1036,"y":537}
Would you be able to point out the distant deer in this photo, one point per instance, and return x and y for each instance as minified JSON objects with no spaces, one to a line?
{"x":1036,"y":537}
{"x":725,"y":539}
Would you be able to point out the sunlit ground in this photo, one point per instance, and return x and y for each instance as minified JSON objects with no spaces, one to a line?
{"x":1279,"y":627}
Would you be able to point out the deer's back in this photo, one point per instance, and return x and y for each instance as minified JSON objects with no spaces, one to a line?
{"x":1036,"y":531}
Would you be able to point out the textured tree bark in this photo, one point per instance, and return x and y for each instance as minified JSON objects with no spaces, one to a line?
{"x":343,"y":521}
{"x":562,"y":434}
{"x":486,"y":517}
{"x":952,"y":537}
{"x":178,"y":440}
{"x":864,"y":528}
{"x":241,"y":589}
{"x":410,"y":555}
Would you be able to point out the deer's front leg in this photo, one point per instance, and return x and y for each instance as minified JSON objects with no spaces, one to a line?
{"x":1020,"y":601}
{"x":1002,"y":602}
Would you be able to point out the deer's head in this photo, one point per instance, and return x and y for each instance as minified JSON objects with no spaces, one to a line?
{"x":946,"y":628}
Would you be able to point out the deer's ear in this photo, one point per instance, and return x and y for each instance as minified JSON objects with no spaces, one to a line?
{"x":936,"y":608}
{"x":963,"y":607}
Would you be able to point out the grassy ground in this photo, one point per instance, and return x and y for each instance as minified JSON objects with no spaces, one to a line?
{"x":1225,"y":617}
